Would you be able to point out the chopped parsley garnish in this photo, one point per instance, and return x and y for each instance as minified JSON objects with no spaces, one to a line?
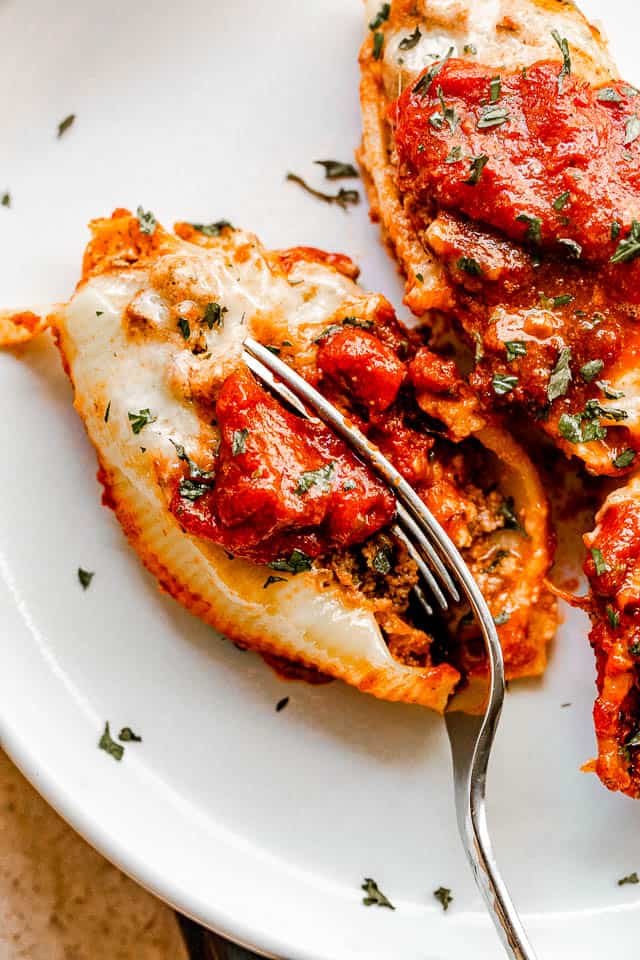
{"x":374,"y":896}
{"x":448,"y":113}
{"x":629,"y":248}
{"x":503,"y":383}
{"x":560,"y":377}
{"x":589,"y":371}
{"x":419,"y":278}
{"x":599,"y":561}
{"x":534,"y":227}
{"x":212,"y":229}
{"x":382,"y":560}
{"x":190,"y":489}
{"x":632,"y":878}
{"x":146,"y":221}
{"x":184,"y":328}
{"x":593,"y":409}
{"x":454,"y":155}
{"x":272,"y":579}
{"x":423,"y":84}
{"x":632,"y":130}
{"x":477,"y":166}
{"x":565,"y":70}
{"x":624,"y":459}
{"x":5,"y":199}
{"x":298,"y":562}
{"x":381,"y":16}
{"x":502,"y":618}
{"x":107,"y":411}
{"x":443,"y":894}
{"x":560,"y":202}
{"x":634,"y":649}
{"x":346,"y":322}
{"x":195,"y":472}
{"x":515,"y":348}
{"x":342,"y":198}
{"x":470,"y":49}
{"x":410,"y":41}
{"x":470,"y":266}
{"x":109,"y":745}
{"x":495,"y":89}
{"x":335,"y":170}
{"x":615,"y":230}
{"x":511,"y":521}
{"x":573,"y":247}
{"x":570,"y":427}
{"x":85,"y":577}
{"x":238,"y":443}
{"x":281,"y":704}
{"x":214,"y":315}
{"x":127,"y":735}
{"x":140,"y":419}
{"x":608,"y":390}
{"x":349,"y":485}
{"x":492,"y":117}
{"x":378,"y":43}
{"x":315,"y":478}
{"x":608,"y":95}
{"x":498,"y":556}
{"x":552,"y":302}
{"x":613,"y":617}
{"x":64,"y":125}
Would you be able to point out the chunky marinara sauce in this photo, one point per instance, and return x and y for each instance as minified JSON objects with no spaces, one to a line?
{"x":287,"y":489}
{"x":539,"y":154}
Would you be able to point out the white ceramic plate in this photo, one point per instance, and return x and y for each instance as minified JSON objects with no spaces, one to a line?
{"x":261,"y":824}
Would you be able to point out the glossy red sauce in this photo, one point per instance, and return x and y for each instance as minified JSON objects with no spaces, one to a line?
{"x":618,"y":543}
{"x":281,"y":483}
{"x":566,"y":154}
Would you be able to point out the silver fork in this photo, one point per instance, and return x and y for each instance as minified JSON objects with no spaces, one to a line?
{"x":443,"y":571}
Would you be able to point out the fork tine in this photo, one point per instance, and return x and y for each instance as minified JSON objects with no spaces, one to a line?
{"x":413,"y":529}
{"x":415,"y":555}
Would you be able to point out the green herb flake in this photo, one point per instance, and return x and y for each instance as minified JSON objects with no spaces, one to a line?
{"x":281,"y":704}
{"x":190,"y":489}
{"x":378,"y":43}
{"x":214,"y":315}
{"x":492,"y":116}
{"x":634,"y":649}
{"x":565,"y":70}
{"x":629,"y":248}
{"x":298,"y":562}
{"x":64,"y":125}
{"x":238,"y":443}
{"x":425,"y":81}
{"x":454,"y":155}
{"x":5,"y":199}
{"x":495,"y":89}
{"x":613,"y":617}
{"x":624,"y":459}
{"x":342,"y":198}
{"x":502,"y":618}
{"x":477,"y":166}
{"x":469,"y":266}
{"x":560,"y":377}
{"x":560,"y":202}
{"x":381,"y":16}
{"x":335,"y":170}
{"x":599,"y":561}
{"x":410,"y":41}
{"x":573,"y":248}
{"x":608,"y":95}
{"x":382,"y":561}
{"x":615,"y":230}
{"x":608,"y":390}
{"x":590,"y":370}
{"x":140,"y":419}
{"x":498,"y":557}
{"x":632,"y":130}
{"x":184,"y":328}
{"x":85,"y":577}
{"x":515,"y":348}
{"x":419,"y":278}
{"x":470,"y":49}
{"x":320,"y":478}
{"x":109,"y":745}
{"x":632,"y":878}
{"x":478,"y":352}
{"x":127,"y":735}
{"x":212,"y":229}
{"x":271,"y":579}
{"x":374,"y":896}
{"x":443,"y":894}
{"x":146,"y":221}
{"x":534,"y":228}
{"x":349,"y":485}
{"x":570,"y":427}
{"x":503,"y":383}
{"x":508,"y":512}
{"x":107,"y":411}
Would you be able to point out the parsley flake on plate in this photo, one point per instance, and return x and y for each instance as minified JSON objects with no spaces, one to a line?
{"x":342,"y":198}
{"x":127,"y":735}
{"x":140,"y":419}
{"x":444,"y":895}
{"x":374,"y":895}
{"x":335,"y":170}
{"x":85,"y":577}
{"x":64,"y":125}
{"x":109,"y":745}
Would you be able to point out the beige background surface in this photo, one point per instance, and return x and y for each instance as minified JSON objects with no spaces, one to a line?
{"x":60,"y":900}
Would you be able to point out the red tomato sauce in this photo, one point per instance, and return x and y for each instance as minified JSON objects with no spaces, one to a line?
{"x":547,"y":160}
